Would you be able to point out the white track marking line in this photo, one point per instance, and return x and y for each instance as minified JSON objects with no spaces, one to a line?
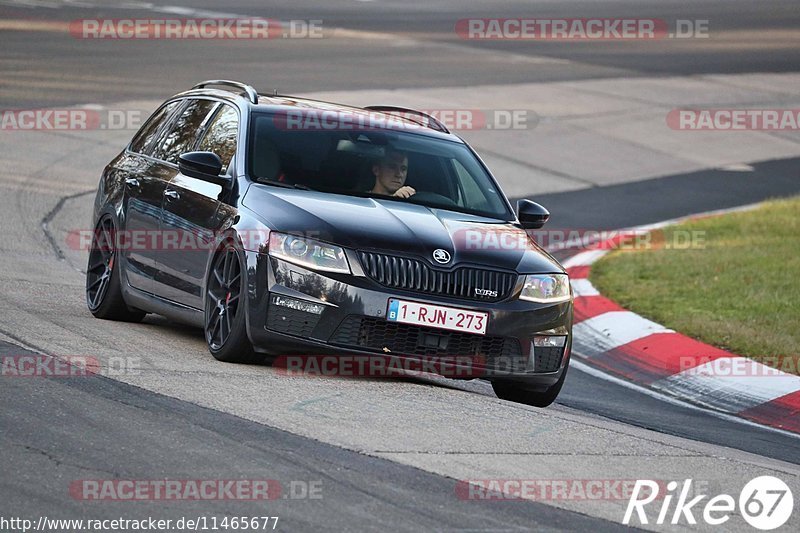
{"x":584,"y":258}
{"x":615,"y":328}
{"x":592,"y":371}
{"x":731,"y":384}
{"x":583,"y":287}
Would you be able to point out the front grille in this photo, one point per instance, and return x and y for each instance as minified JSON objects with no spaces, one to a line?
{"x":375,"y":334}
{"x":415,"y":275}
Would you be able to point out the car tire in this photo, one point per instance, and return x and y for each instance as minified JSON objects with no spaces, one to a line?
{"x":225,"y":329}
{"x":103,"y":286}
{"x":516,"y":392}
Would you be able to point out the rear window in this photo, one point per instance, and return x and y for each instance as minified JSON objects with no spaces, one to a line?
{"x":143,"y":141}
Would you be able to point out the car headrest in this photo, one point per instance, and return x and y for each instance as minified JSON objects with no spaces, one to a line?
{"x":366,"y":179}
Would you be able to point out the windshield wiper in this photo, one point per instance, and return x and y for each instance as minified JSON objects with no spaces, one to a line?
{"x":277,"y":183}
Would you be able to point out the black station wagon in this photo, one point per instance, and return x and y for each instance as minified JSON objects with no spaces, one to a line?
{"x":287,"y":226}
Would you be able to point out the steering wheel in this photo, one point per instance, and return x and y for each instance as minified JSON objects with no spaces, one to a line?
{"x":433,"y":198}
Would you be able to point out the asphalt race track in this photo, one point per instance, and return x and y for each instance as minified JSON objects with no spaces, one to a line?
{"x":385,"y":454}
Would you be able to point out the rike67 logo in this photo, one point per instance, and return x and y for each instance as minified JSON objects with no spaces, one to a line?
{"x":765,"y":503}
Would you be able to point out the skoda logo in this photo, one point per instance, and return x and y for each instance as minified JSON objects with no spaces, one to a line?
{"x":441,"y":256}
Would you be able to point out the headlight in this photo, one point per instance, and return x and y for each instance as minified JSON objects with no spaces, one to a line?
{"x":546,"y":288}
{"x":308,"y":253}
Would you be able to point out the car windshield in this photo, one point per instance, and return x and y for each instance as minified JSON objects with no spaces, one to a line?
{"x":391,"y":163}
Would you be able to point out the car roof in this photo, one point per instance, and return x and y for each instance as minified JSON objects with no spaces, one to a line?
{"x":403,"y":119}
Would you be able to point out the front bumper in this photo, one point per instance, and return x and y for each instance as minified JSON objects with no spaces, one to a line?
{"x":353,"y":321}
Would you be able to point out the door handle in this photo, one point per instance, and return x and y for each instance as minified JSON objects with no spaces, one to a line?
{"x":172,"y":195}
{"x":132,"y":182}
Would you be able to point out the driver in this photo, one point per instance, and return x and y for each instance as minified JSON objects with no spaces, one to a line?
{"x":390,"y":173}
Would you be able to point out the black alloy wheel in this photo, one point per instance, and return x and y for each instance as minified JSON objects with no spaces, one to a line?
{"x":103,"y":291}
{"x":225,"y":327}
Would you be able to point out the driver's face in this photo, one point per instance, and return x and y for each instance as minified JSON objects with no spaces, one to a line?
{"x":391,"y":172}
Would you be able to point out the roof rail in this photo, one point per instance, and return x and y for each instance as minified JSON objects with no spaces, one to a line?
{"x":251,"y":93}
{"x":433,"y":122}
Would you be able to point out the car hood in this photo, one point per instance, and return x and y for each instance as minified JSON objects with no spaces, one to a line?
{"x":372,"y":224}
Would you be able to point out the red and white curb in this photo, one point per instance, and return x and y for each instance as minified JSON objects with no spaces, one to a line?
{"x":625,"y":344}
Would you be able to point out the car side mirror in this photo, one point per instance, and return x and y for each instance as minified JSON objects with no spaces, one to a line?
{"x":531,"y":215}
{"x":205,"y":166}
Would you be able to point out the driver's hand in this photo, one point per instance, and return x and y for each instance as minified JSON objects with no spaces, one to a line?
{"x":405,"y":192}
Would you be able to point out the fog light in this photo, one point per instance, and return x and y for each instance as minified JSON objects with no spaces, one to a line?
{"x":298,"y":305}
{"x":547,"y":351}
{"x":549,"y":341}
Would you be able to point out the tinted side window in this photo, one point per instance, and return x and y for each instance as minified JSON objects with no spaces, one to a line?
{"x":143,"y":140}
{"x":183,"y":131}
{"x":220,"y":136}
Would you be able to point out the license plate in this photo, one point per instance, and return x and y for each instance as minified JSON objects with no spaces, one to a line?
{"x":437,"y":316}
